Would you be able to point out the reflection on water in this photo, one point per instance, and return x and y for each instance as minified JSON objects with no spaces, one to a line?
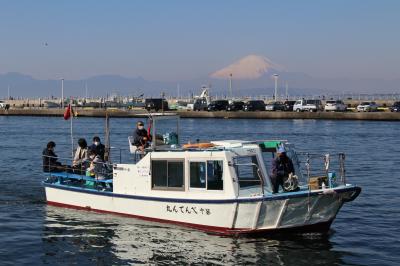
{"x":72,"y":237}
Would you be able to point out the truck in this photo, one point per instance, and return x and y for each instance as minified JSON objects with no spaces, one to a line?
{"x":4,"y":105}
{"x":307,"y":105}
{"x":156,"y":104}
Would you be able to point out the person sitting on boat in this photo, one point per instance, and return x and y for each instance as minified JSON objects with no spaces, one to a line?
{"x":98,"y":147}
{"x":281,"y":167}
{"x":141,"y":137}
{"x":97,"y":167}
{"x":50,"y":159}
{"x":81,"y":157}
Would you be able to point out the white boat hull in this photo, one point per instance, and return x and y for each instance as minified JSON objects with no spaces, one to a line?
{"x":302,"y":211}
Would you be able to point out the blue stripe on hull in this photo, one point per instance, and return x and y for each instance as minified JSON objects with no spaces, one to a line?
{"x":287,"y":195}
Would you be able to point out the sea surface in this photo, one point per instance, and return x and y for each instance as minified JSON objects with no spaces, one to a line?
{"x":365,"y":232}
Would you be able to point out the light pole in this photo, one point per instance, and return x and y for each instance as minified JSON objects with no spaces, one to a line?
{"x":287,"y":95}
{"x":230,"y":85}
{"x":276,"y":86}
{"x":62,"y":93}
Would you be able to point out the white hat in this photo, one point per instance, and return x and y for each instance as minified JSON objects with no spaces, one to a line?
{"x":281,"y":149}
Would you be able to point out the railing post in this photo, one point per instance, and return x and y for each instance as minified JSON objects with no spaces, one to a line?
{"x":342,"y":168}
{"x":308,"y":181}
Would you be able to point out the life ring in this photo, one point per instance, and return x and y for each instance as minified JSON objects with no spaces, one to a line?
{"x":198,"y":145}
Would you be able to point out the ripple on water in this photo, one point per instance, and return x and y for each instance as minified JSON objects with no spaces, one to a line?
{"x":366,"y":231}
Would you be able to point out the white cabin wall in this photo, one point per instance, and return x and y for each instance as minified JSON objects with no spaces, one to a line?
{"x":135,"y":179}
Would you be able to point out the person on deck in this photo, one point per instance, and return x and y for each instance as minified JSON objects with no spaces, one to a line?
{"x":81,"y":157}
{"x":50,"y":159}
{"x":97,"y":167}
{"x":98,"y":147}
{"x":141,"y":138}
{"x":281,"y":167}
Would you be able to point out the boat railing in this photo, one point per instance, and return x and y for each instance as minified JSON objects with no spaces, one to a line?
{"x":89,"y":174}
{"x":322,"y":170}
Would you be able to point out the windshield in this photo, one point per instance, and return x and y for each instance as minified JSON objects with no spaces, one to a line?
{"x":247,"y":171}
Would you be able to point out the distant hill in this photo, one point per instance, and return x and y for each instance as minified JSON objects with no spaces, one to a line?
{"x":251,"y":76}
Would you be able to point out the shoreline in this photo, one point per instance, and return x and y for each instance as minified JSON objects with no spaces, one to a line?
{"x":373,"y":116}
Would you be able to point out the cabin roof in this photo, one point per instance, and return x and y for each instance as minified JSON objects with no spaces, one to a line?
{"x":241,"y":143}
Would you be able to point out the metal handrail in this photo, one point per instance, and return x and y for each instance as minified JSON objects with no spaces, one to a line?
{"x":68,"y":168}
{"x":326,"y":160}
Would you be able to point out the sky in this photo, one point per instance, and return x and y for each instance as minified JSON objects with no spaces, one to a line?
{"x":181,"y":40}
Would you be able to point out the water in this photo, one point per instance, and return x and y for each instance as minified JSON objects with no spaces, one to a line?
{"x":365,"y":232}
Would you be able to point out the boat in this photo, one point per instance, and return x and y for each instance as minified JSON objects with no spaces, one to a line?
{"x":220,"y":186}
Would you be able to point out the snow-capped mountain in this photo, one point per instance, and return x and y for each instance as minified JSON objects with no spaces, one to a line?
{"x":249,"y":67}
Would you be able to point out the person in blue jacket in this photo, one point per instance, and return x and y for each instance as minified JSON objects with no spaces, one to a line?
{"x":281,"y":167}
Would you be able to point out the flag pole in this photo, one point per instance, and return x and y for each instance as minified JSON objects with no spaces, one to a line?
{"x":72,"y":136}
{"x":107,"y":138}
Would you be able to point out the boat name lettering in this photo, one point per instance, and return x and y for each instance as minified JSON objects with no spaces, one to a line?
{"x":188,"y":210}
{"x":143,"y":170}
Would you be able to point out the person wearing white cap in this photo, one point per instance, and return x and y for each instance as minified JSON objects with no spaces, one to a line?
{"x":281,"y":167}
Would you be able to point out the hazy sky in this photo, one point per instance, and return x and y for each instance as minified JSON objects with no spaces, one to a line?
{"x":178,"y":40}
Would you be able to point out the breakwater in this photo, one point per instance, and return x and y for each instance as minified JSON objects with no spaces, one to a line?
{"x":376,"y":116}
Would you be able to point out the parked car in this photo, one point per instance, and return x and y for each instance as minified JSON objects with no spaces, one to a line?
{"x":288,"y":105}
{"x":335,"y":106}
{"x":307,"y":105}
{"x":367,"y":107}
{"x":395,"y":107}
{"x":218,"y":105}
{"x":254,"y":105}
{"x":156,"y":104}
{"x":200,"y":104}
{"x":4,"y":105}
{"x":274,"y":106}
{"x":235,"y":106}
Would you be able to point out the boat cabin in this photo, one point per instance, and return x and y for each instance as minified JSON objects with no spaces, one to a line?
{"x":217,"y":169}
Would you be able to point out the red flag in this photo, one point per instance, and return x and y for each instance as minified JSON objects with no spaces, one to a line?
{"x":67,"y":113}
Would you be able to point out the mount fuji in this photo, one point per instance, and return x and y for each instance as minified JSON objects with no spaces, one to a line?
{"x":249,"y":67}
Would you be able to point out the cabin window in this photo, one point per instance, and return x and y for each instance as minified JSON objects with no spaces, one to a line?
{"x":198,"y":174}
{"x":206,"y":175}
{"x":167,"y":174}
{"x":246,"y":171}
